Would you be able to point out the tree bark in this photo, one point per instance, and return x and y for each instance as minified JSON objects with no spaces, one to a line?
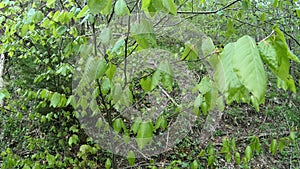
{"x":2,"y":59}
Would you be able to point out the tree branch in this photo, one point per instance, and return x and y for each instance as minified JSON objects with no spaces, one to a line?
{"x":209,"y":12}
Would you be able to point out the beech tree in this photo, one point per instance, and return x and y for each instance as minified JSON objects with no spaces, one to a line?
{"x":88,"y":83}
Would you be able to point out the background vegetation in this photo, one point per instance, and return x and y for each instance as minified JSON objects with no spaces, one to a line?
{"x":42,"y":39}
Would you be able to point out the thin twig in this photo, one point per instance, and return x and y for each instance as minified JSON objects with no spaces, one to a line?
{"x":209,"y":12}
{"x":126,"y":52}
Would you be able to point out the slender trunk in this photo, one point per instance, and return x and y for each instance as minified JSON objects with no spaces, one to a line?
{"x":2,"y":59}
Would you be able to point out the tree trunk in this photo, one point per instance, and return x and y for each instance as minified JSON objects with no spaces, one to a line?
{"x":2,"y":59}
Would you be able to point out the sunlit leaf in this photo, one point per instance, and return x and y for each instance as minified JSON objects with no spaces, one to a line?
{"x":144,"y":134}
{"x":121,"y":8}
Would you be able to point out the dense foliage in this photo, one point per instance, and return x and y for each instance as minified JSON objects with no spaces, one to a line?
{"x":241,"y":51}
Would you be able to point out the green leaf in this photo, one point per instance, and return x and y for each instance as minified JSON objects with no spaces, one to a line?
{"x":99,"y":123}
{"x":145,"y":133}
{"x":85,"y":148}
{"x":198,"y":102}
{"x":207,"y":46}
{"x":118,"y":45}
{"x":237,"y":158}
{"x":268,"y":54}
{"x":205,"y":85}
{"x":201,"y":154}
{"x":73,"y":140}
{"x":121,"y":8}
{"x":211,"y":160}
{"x":101,"y":68}
{"x":225,"y":146}
{"x":161,"y":122}
{"x":292,"y":136}
{"x":96,"y":6}
{"x":171,"y":6}
{"x":105,"y":36}
{"x":131,"y":158}
{"x":136,"y":125}
{"x":51,"y":160}
{"x":195,"y":165}
{"x":116,"y":93}
{"x":61,"y":30}
{"x":83,"y":12}
{"x":108,"y":163}
{"x":248,"y":153}
{"x":255,"y":144}
{"x":118,"y":125}
{"x":298,"y":12}
{"x":156,"y":77}
{"x":228,"y":157}
{"x":111,"y":71}
{"x":146,"y":83}
{"x":249,"y":67}
{"x":190,"y":52}
{"x":224,"y":76}
{"x":281,"y":144}
{"x":145,"y":5}
{"x":126,"y":97}
{"x":273,"y":147}
{"x":275,"y":3}
{"x":4,"y":93}
{"x":55,"y":99}
{"x":167,"y":74}
{"x":230,"y":27}
{"x":143,"y":33}
{"x":220,"y":103}
{"x":280,"y":60}
{"x":50,"y":3}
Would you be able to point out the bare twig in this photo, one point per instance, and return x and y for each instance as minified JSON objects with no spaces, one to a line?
{"x":209,"y":12}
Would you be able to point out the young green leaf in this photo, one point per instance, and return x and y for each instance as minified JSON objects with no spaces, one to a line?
{"x":205,"y":85}
{"x":101,"y":68}
{"x":83,"y":12}
{"x":111,"y":71}
{"x":145,"y":5}
{"x":108,"y":163}
{"x":146,"y":83}
{"x":161,"y":122}
{"x":55,"y":99}
{"x":190,"y":52}
{"x":225,"y":146}
{"x":73,"y":140}
{"x":281,"y":144}
{"x":228,"y":157}
{"x":237,"y":158}
{"x":249,"y":67}
{"x":156,"y":78}
{"x":292,"y":136}
{"x":105,"y":35}
{"x":207,"y":46}
{"x":171,"y":6}
{"x":248,"y":153}
{"x":211,"y":160}
{"x":61,"y":30}
{"x":136,"y":125}
{"x":131,"y":157}
{"x":4,"y":93}
{"x":51,"y":160}
{"x":145,"y":133}
{"x":273,"y":147}
{"x":96,"y":6}
{"x":195,"y":165}
{"x":143,"y":33}
{"x":118,"y":125}
{"x":121,"y":8}
{"x":201,"y":154}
